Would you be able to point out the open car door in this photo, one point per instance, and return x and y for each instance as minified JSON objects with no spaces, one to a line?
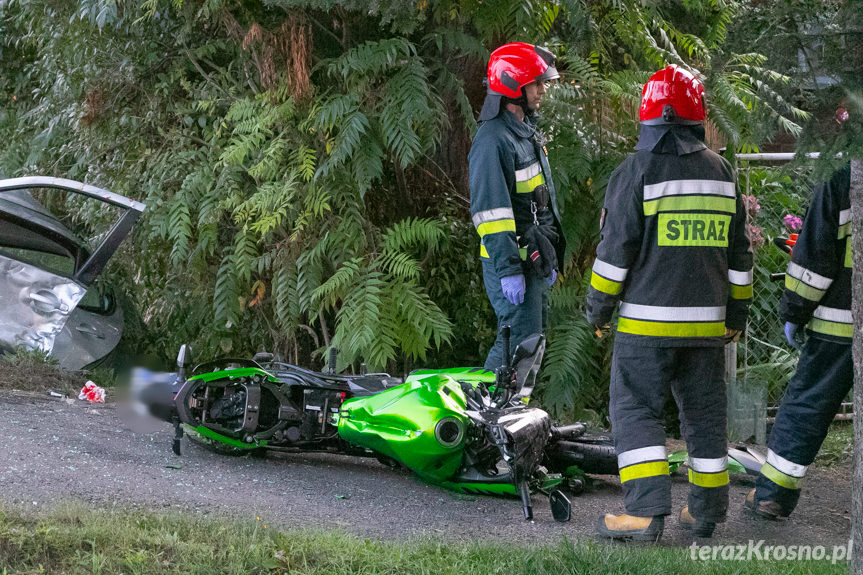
{"x":44,"y":269}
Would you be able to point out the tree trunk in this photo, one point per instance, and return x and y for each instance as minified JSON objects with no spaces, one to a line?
{"x":857,"y":308}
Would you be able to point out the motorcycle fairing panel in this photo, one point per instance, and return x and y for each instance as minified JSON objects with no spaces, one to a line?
{"x":420,"y":424}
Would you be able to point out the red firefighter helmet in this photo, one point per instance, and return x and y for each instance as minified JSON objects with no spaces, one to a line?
{"x":510,"y":68}
{"x":675,"y":87}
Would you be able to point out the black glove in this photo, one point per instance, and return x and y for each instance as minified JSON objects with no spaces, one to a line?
{"x":599,"y":321}
{"x":541,"y":257}
{"x":550,"y":232}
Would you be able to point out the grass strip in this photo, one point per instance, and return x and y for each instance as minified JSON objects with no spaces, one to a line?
{"x":72,"y":539}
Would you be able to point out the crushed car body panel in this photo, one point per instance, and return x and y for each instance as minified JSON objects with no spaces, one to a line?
{"x":34,"y":304}
{"x":38,"y":295}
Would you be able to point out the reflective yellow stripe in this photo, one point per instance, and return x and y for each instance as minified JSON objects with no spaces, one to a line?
{"x":848,"y":256}
{"x":599,"y":283}
{"x":662,"y":329}
{"x":781,"y":479}
{"x":708,"y":479}
{"x":802,"y":289}
{"x":741,"y":292}
{"x":483,"y":253}
{"x":679,"y":203}
{"x":642,"y":470}
{"x":844,"y":230}
{"x":527,"y":186}
{"x":495,"y":227}
{"x":819,"y":325}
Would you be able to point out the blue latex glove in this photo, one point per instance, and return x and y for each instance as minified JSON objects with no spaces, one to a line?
{"x":513,"y":288}
{"x":552,"y":278}
{"x":794,"y":335}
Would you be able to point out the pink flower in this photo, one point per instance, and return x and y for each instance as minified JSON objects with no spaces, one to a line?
{"x":792,"y":223}
{"x":755,"y":237}
{"x":750,"y":202}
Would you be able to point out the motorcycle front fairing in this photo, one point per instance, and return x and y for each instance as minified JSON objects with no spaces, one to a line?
{"x":427,"y":425}
{"x":421,"y":424}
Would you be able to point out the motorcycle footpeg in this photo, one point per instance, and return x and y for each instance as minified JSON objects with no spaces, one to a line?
{"x":527,"y":507}
{"x":178,"y":437}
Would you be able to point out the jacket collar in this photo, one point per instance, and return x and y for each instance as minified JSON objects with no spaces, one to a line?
{"x":521,"y":129}
{"x":671,"y":139}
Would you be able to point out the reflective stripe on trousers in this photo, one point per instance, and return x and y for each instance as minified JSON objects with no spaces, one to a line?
{"x":825,"y":375}
{"x":641,"y":378}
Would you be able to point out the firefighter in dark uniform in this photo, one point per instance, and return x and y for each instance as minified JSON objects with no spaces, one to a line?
{"x":674,"y":251}
{"x":818,"y":296}
{"x":512,"y":197}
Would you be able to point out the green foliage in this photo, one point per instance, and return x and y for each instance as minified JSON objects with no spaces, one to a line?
{"x":838,"y":446}
{"x":27,"y":358}
{"x":303,"y":161}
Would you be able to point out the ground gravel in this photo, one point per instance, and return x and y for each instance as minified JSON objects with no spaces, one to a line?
{"x":56,"y":450}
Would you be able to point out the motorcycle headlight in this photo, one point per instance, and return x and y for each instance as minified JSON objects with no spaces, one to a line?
{"x":449,"y":431}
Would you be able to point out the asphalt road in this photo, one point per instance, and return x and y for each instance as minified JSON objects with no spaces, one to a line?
{"x":56,"y":450}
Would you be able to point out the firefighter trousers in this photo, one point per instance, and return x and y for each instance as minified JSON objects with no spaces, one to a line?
{"x":524,"y":319}
{"x":825,"y":375}
{"x":641,"y":378}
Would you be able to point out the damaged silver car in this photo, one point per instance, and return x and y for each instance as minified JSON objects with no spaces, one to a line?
{"x":50,"y":299}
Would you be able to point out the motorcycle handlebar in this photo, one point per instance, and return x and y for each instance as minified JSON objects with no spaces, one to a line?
{"x":505,"y":333}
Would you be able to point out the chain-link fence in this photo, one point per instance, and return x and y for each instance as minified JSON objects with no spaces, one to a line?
{"x":775,"y":195}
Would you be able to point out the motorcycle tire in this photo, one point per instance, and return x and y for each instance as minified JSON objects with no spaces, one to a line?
{"x":593,"y":455}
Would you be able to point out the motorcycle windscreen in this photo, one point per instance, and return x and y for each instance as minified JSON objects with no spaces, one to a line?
{"x":527,"y":359}
{"x":34,"y":305}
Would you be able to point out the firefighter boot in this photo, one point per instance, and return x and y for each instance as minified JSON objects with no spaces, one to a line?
{"x":765,"y":509}
{"x":699,"y":527}
{"x":629,"y":527}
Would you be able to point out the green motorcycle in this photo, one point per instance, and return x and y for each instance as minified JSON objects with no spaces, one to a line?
{"x":467,"y":429}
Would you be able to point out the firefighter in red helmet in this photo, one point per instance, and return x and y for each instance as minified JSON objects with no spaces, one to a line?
{"x":675,"y":255}
{"x":513,"y":202}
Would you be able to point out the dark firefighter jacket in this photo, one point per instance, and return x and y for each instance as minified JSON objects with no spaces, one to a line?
{"x":818,"y":278}
{"x":673,"y":244}
{"x":508,"y":161}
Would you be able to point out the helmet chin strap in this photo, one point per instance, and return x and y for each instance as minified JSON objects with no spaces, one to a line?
{"x":521,"y":102}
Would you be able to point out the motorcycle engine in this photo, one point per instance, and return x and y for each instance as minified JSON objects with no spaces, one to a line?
{"x":229,"y":409}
